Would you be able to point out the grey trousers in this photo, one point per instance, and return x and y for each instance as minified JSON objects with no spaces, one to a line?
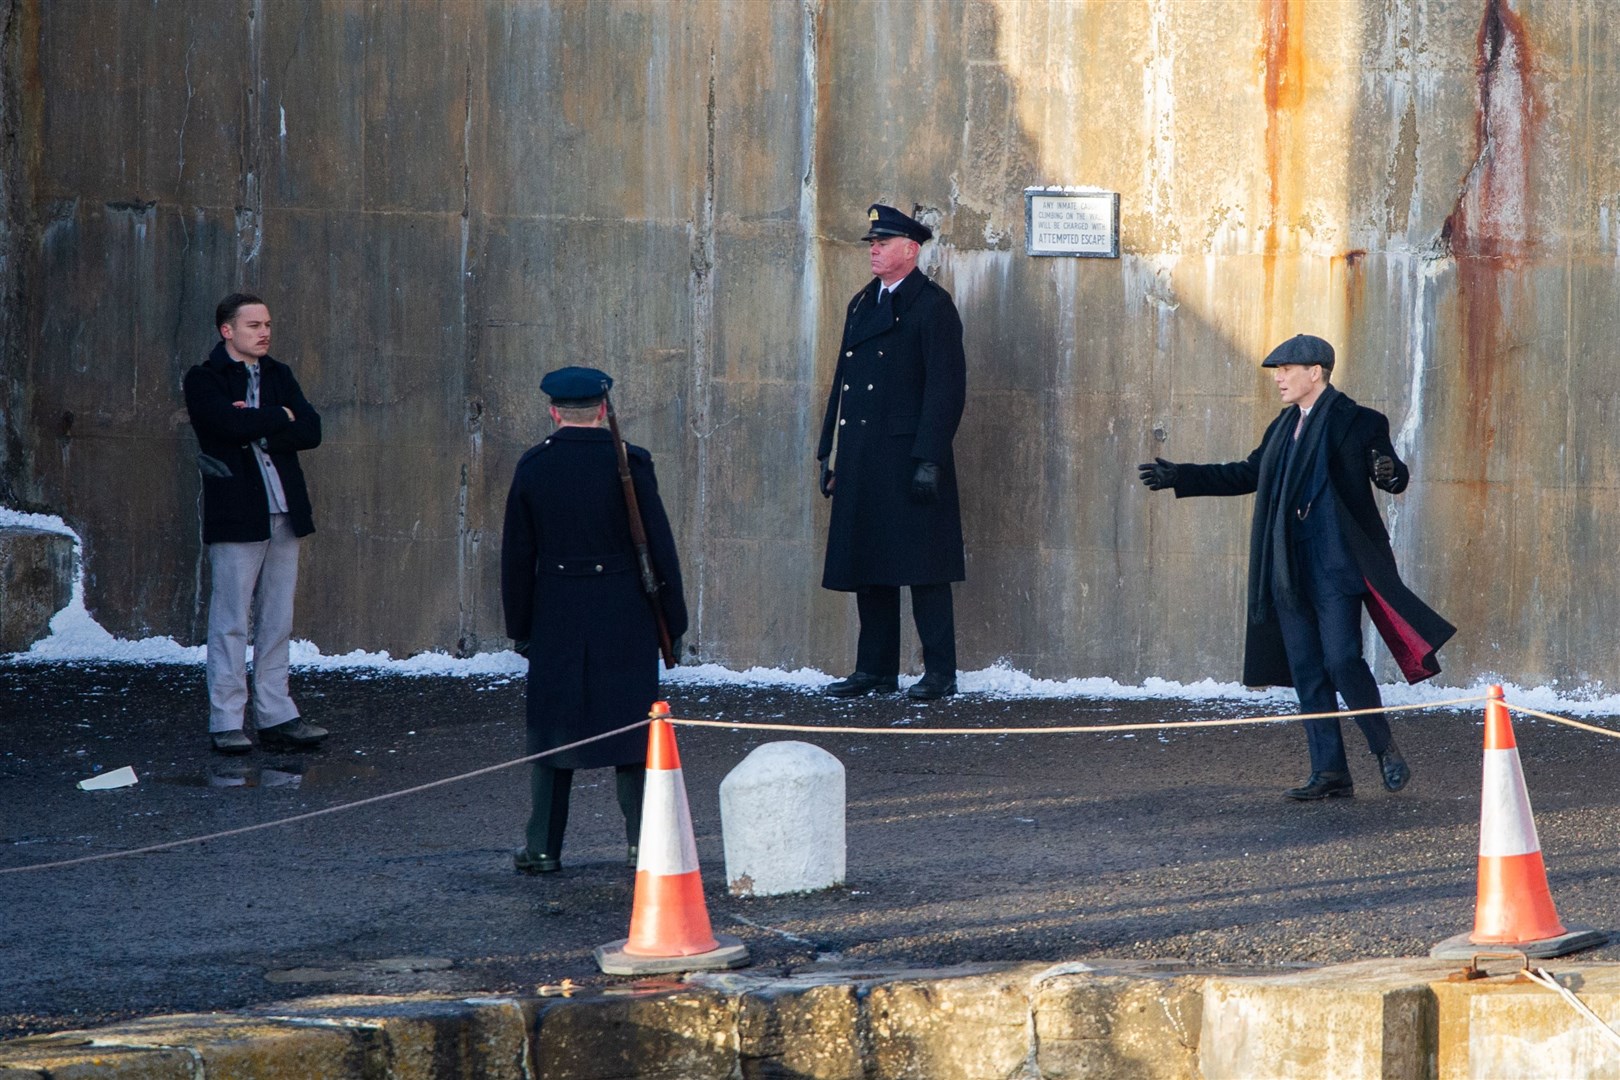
{"x":253,"y":581}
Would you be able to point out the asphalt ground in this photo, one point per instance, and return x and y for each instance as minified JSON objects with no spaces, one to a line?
{"x":961,"y":848}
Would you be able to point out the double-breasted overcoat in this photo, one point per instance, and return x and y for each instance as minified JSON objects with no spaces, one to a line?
{"x":896,"y":400}
{"x":1410,"y":628}
{"x":571,"y":586}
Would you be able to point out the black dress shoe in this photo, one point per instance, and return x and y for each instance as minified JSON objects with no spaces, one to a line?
{"x":234,"y":741}
{"x":932,"y":686}
{"x":1323,"y":785}
{"x":295,"y":734}
{"x":1393,"y":766}
{"x":525,"y":861}
{"x":861,"y":683}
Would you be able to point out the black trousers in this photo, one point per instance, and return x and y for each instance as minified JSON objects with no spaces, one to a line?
{"x":878,"y":650}
{"x":1322,"y":634}
{"x":549,"y":789}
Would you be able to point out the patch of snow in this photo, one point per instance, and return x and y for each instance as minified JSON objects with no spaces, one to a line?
{"x":76,"y":637}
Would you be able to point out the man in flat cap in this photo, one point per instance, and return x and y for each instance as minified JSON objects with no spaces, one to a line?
{"x":572,"y":593}
{"x":886,"y":463}
{"x":1318,"y":553}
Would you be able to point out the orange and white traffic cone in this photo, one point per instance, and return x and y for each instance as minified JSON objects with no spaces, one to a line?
{"x":1515,"y":906}
{"x":669,"y":920}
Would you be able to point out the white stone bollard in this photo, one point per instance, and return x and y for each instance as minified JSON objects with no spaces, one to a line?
{"x":782,"y":818}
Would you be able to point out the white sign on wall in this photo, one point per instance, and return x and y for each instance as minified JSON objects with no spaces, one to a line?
{"x":1082,"y":223}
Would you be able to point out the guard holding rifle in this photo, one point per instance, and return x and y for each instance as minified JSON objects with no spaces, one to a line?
{"x":591,"y":588}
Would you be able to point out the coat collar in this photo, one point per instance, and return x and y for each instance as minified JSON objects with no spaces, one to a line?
{"x":220,"y":360}
{"x":905,"y":292}
{"x":580,"y":434}
{"x":863,"y":308}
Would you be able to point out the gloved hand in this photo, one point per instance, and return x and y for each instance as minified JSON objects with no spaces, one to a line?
{"x":826,"y":481}
{"x":925,"y":484}
{"x":1381,"y":468}
{"x":1158,"y":475}
{"x":521,"y":647}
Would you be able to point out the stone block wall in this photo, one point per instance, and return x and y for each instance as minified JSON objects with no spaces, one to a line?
{"x":36,"y":581}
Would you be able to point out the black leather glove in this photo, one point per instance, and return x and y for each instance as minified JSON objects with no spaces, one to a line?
{"x":1381,"y":468}
{"x":925,"y":484}
{"x":521,"y":647}
{"x":1158,"y":475}
{"x":826,"y":481}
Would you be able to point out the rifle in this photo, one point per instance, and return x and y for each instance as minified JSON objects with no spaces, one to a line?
{"x":638,"y":537}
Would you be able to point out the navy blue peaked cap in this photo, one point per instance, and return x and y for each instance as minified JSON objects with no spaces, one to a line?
{"x":573,"y":387}
{"x":887,"y":221}
{"x":1302,"y":349}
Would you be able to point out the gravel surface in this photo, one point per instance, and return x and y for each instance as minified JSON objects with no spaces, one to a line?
{"x":1173,"y":845}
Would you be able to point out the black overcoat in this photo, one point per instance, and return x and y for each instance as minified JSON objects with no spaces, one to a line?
{"x":235,"y":507}
{"x":1411,"y":629}
{"x":571,"y":587}
{"x":896,"y":400}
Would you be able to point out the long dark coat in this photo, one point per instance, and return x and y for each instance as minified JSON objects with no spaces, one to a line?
{"x":896,"y":400}
{"x":570,"y":585}
{"x":1411,"y":629}
{"x":235,"y":508}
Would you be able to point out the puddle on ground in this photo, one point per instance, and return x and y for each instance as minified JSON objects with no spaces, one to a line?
{"x":292,"y":774}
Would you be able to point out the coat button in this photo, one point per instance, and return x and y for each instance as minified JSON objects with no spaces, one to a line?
{"x":598,"y":568}
{"x":846,"y":386}
{"x":841,"y":423}
{"x":849,"y":354}
{"x":880,"y":352}
{"x":559,"y":566}
{"x":863,"y":423}
{"x":869,"y":386}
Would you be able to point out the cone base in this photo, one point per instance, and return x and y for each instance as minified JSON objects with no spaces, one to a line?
{"x":613,"y":960}
{"x":1574,"y":939}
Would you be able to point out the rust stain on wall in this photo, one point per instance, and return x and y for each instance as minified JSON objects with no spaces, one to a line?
{"x":1350,"y":272}
{"x":1488,"y":230}
{"x":1284,"y":74}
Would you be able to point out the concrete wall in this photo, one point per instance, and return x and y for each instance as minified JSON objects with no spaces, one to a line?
{"x":444,"y":199}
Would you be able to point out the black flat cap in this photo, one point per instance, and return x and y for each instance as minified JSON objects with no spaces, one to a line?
{"x":1302,"y":349}
{"x":575,"y":387}
{"x":887,"y":221}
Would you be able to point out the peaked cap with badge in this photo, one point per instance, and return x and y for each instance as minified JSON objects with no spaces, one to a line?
{"x":886,"y":221}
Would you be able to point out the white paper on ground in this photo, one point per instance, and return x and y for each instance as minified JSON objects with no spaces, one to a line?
{"x":117,"y":778}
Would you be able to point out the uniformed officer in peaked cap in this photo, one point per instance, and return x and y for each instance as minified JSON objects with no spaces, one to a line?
{"x":886,"y":462}
{"x":574,"y":605}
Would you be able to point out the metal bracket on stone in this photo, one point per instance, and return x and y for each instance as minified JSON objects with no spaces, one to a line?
{"x":1475,"y":971}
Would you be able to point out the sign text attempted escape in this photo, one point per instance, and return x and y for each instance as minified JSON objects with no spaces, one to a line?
{"x":1079,"y":223}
